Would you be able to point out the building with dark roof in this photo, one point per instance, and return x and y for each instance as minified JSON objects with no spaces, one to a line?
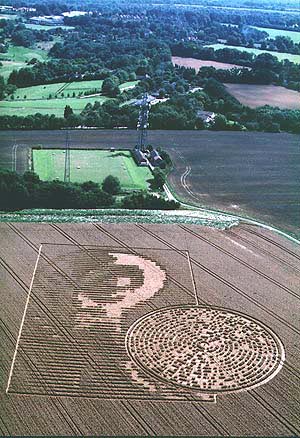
{"x":155,"y":159}
{"x":139,"y":157}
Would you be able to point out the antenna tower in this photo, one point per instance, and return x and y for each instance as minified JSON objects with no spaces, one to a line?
{"x":143,"y":123}
{"x":67,"y":159}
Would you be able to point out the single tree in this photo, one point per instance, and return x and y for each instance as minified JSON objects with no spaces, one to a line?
{"x":68,"y":111}
{"x":158,"y":180}
{"x":110,"y":87}
{"x":111,"y":185}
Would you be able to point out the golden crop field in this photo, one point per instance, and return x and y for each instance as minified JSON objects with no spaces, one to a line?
{"x":134,"y":329}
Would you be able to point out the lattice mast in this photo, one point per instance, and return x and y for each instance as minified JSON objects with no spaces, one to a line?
{"x":67,"y":159}
{"x":143,"y":123}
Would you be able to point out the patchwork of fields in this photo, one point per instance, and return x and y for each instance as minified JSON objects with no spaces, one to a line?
{"x":91,"y":165}
{"x":259,"y":95}
{"x":67,"y":361}
{"x":280,"y":56}
{"x":52,"y":98}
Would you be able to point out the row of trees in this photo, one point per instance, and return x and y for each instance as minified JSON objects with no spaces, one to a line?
{"x":179,"y":112}
{"x":18,"y":192}
{"x":28,"y":191}
{"x":265,"y":68}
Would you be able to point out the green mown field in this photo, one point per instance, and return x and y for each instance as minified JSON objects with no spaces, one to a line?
{"x":91,"y":165}
{"x":31,"y":100}
{"x":60,"y":89}
{"x":63,"y":89}
{"x":273,"y":33}
{"x":278,"y":55}
{"x":46,"y":106}
{"x":8,"y":16}
{"x":16,"y":58}
{"x":45,"y":27}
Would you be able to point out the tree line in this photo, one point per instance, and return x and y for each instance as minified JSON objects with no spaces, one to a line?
{"x":180,"y":111}
{"x":18,"y":192}
{"x":122,"y":42}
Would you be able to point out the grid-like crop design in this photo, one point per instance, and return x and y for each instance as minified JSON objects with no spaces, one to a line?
{"x":83,"y":301}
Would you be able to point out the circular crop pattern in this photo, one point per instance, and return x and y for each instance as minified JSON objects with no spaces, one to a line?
{"x":206,"y":349}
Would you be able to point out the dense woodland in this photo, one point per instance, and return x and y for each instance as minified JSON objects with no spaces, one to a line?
{"x":120,"y":42}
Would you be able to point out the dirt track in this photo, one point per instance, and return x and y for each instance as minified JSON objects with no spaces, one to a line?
{"x":246,"y":269}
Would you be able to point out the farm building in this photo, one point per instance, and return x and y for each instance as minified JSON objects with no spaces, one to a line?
{"x":142,"y":158}
{"x":206,"y":116}
{"x":139,"y":157}
{"x":155,"y":159}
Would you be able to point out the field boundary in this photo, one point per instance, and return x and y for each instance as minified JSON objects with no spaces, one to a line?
{"x":23,"y":320}
{"x":233,"y":216}
{"x":79,"y":149}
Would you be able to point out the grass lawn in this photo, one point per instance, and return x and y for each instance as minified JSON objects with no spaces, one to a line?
{"x":279,"y":56}
{"x":23,"y":54}
{"x":91,"y":165}
{"x":16,"y":57}
{"x":43,"y":27}
{"x":8,"y":16}
{"x":8,"y":66}
{"x":128,"y":85}
{"x":37,"y":98}
{"x":43,"y":91}
{"x":273,"y":33}
{"x":46,"y":106}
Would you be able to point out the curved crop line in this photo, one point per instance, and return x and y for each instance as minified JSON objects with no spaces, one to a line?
{"x":229,"y":215}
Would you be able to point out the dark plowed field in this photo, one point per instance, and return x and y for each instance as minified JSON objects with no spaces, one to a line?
{"x":72,"y":374}
{"x":253,"y":174}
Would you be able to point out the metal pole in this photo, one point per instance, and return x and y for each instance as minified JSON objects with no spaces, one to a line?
{"x":16,"y":148}
{"x":143,"y":122}
{"x":13,"y":157}
{"x":67,"y":159}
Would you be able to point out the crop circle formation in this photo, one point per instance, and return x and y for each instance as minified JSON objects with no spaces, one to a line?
{"x":206,"y":349}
